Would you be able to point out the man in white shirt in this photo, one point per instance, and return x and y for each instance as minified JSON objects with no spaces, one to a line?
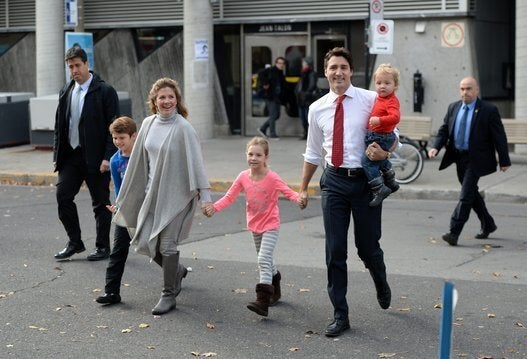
{"x":344,"y":186}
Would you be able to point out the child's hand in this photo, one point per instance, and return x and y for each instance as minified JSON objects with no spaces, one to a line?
{"x":374,"y":121}
{"x":302,"y":201}
{"x":112,"y":208}
{"x":208,"y":209}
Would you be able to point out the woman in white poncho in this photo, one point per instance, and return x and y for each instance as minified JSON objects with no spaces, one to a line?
{"x":164,"y":180}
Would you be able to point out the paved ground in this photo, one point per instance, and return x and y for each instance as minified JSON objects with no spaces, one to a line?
{"x":225,"y":158}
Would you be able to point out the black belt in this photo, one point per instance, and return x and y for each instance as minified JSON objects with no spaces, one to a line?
{"x":348,"y":172}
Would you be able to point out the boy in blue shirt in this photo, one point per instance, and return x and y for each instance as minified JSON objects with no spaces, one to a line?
{"x":124,"y":132}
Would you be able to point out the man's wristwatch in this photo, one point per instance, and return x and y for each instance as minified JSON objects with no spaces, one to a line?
{"x":388,"y":154}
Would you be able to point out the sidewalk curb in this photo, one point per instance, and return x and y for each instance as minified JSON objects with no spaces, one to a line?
{"x":223,"y":185}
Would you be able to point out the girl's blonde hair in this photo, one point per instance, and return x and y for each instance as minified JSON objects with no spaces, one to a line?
{"x":259,"y":141}
{"x":162,"y":83}
{"x":388,"y":69}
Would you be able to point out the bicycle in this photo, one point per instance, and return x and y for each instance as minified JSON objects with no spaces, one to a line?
{"x":407,"y":161}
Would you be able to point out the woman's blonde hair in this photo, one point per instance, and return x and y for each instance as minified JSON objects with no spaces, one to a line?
{"x":162,"y":83}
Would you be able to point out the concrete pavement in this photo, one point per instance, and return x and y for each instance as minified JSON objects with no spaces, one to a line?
{"x":225,"y":158}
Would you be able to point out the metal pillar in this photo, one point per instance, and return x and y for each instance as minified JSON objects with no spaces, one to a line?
{"x":49,"y":46}
{"x":198,"y":65}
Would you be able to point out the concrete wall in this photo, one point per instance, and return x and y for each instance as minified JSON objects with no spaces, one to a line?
{"x":441,"y":68}
{"x":18,"y":67}
{"x":116,"y":62}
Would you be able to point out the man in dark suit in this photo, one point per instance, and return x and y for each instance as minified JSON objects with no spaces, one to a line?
{"x":472,"y":133}
{"x":82,"y":150}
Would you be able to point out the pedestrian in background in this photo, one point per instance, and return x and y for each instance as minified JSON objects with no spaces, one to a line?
{"x":81,"y":152}
{"x":305,"y":92}
{"x":164,"y":181}
{"x":337,"y":125}
{"x":262,"y":187}
{"x":124,"y":132}
{"x":273,"y":82}
{"x":472,"y":133}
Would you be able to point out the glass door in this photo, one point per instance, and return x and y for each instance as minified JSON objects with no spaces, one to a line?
{"x":261,"y":52}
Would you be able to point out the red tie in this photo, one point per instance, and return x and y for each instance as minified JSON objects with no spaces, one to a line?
{"x":337,"y":152}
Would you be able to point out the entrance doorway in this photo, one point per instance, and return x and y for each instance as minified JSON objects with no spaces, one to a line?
{"x":261,"y":51}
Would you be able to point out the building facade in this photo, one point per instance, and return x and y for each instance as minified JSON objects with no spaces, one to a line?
{"x":137,"y":42}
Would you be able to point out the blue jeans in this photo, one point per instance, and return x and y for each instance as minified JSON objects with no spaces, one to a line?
{"x":373,"y":169}
{"x":273,"y":106}
{"x":342,"y":198}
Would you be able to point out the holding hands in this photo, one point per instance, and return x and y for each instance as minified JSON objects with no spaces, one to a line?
{"x":208,"y":209}
{"x":302,"y":199}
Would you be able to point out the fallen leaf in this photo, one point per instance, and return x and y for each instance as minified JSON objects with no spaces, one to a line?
{"x":127,"y":330}
{"x":403,"y":297}
{"x":403,"y":309}
{"x":36,"y":327}
{"x":210,"y":267}
{"x":518,"y":324}
{"x":126,"y":285}
{"x":491,"y":315}
{"x":196,"y":354}
{"x":143,"y":325}
{"x":151,"y":347}
{"x":294,"y":349}
{"x":208,"y":355}
{"x":240,"y":290}
{"x":485,"y":357}
{"x":301,"y":290}
{"x":387,"y":355}
{"x":102,"y":326}
{"x":58,"y":308}
{"x":438,"y":306}
{"x":10,"y":345}
{"x":496,"y":274}
{"x":210,"y":325}
{"x":97,"y":290}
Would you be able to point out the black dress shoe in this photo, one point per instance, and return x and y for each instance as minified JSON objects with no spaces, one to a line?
{"x":99,"y":254}
{"x":109,"y":298}
{"x":484,"y":234}
{"x":451,"y":238}
{"x":337,"y":327}
{"x":69,"y":251}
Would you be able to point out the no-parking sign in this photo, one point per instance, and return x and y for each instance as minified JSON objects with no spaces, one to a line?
{"x":381,"y":35}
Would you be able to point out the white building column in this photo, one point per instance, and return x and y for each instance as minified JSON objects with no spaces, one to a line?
{"x":198,"y":66}
{"x":49,"y":46}
{"x":520,"y":81}
{"x":520,"y":101}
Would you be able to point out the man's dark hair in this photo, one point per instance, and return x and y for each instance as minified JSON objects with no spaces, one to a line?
{"x":338,"y":51}
{"x":76,"y":51}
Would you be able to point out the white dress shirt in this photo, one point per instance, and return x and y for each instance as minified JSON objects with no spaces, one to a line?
{"x":357,"y":109}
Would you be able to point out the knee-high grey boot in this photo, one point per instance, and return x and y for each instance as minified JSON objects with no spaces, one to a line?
{"x":182,"y":271}
{"x":167,"y":302}
{"x":389,"y":180}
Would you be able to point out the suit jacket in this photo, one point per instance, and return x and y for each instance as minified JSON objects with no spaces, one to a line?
{"x":101,"y":107}
{"x":487,"y":136}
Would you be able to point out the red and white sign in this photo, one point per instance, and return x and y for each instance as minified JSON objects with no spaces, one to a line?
{"x":376,"y":9}
{"x":381,"y":35}
{"x":452,"y":34}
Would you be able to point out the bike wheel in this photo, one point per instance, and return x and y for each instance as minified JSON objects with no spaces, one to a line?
{"x":407,"y":162}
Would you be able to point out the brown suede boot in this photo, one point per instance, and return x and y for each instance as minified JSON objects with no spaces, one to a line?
{"x":263,"y":296}
{"x":277,"y":291}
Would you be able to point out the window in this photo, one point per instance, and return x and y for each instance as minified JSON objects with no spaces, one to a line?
{"x":148,"y":40}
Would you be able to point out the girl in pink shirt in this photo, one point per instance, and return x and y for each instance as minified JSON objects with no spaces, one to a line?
{"x":261,"y":186}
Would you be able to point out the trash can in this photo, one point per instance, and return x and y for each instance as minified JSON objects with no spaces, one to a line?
{"x":14,"y":118}
{"x":43,"y":110}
